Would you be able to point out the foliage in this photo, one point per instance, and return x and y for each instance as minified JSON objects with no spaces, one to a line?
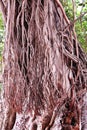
{"x":1,"y":45}
{"x":81,"y":24}
{"x":1,"y":37}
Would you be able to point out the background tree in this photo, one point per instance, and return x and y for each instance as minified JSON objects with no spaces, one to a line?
{"x":80,"y":25}
{"x":45,"y":75}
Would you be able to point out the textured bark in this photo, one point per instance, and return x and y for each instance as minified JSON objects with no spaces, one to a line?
{"x":84,"y":113}
{"x":45,"y":69}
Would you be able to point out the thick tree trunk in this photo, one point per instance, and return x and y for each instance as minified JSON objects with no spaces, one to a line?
{"x":44,"y":77}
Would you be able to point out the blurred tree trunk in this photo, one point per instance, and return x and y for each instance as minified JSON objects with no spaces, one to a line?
{"x":44,"y":68}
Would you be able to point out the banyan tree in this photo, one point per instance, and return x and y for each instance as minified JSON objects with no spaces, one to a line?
{"x":45,"y":69}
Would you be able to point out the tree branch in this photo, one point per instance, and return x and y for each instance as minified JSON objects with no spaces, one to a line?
{"x":80,"y":17}
{"x":74,"y":21}
{"x":3,"y":10}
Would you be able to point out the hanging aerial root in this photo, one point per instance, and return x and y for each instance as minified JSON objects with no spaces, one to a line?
{"x":44,"y":64}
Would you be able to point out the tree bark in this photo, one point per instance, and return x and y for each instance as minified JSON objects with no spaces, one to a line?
{"x":44,"y":77}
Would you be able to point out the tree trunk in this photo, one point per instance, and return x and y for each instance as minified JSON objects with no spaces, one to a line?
{"x":44,"y":68}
